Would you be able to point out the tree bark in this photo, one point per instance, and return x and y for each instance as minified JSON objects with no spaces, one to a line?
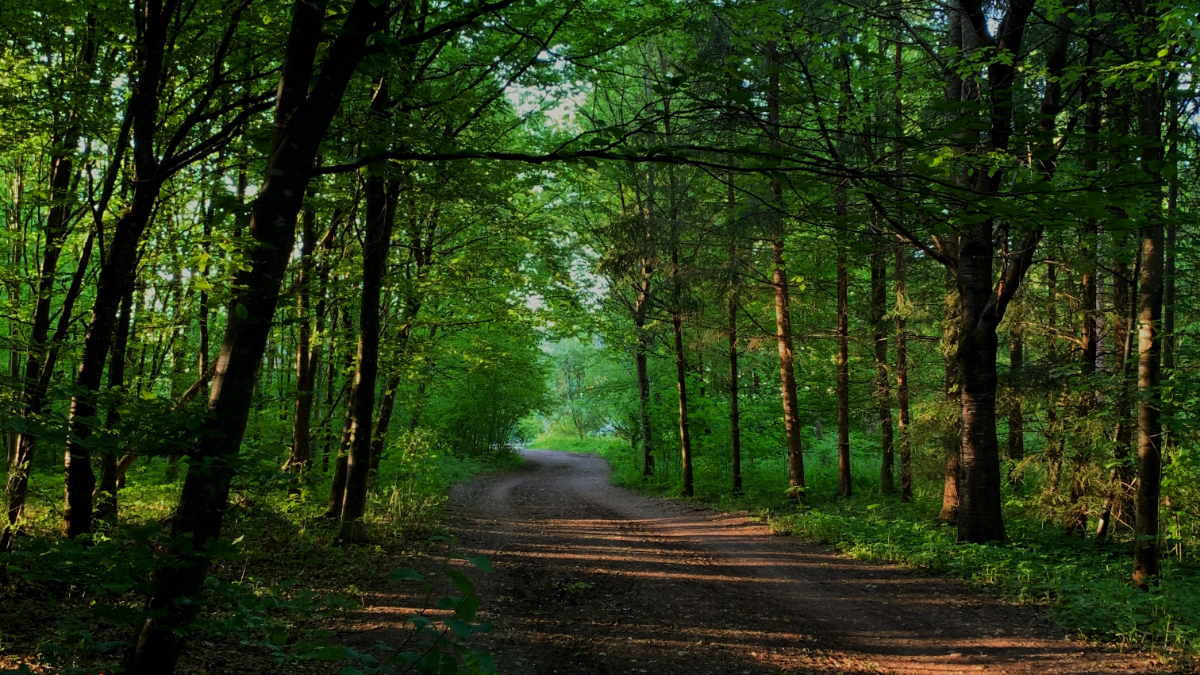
{"x":301,"y":121}
{"x":783,"y":317}
{"x":735,"y":431}
{"x":902,"y":304}
{"x":979,"y":515}
{"x":1054,"y":435}
{"x":376,"y":243}
{"x":306,"y":366}
{"x":845,"y":485}
{"x":1146,"y":563}
{"x":106,"y":491}
{"x":1121,"y":480}
{"x":685,"y":436}
{"x":1016,"y":413}
{"x":952,"y":443}
{"x":883,"y":398}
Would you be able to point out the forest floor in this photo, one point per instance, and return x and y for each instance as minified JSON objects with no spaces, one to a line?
{"x":593,"y":579}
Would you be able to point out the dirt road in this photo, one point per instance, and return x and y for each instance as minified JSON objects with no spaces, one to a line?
{"x":595,"y":579}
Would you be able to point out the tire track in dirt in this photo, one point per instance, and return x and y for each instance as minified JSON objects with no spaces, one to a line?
{"x":593,"y":579}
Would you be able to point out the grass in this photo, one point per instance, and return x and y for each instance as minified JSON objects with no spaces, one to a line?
{"x":596,"y":444}
{"x":1085,"y":584}
{"x":277,"y":576}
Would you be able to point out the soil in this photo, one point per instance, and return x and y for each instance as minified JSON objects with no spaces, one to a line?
{"x":593,"y":579}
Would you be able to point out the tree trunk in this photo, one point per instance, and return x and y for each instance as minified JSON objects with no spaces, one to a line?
{"x":887,"y":465}
{"x":901,"y":292}
{"x":783,"y":317}
{"x":845,"y":486}
{"x":643,"y":380}
{"x":306,"y":367}
{"x":735,"y":432}
{"x":301,"y":121}
{"x":1121,"y":480}
{"x":953,"y":397}
{"x":41,"y":354}
{"x":979,"y":514}
{"x":685,"y":437}
{"x":1054,"y":445}
{"x":380,"y":216}
{"x":106,"y":491}
{"x":383,"y":421}
{"x":1169,"y":344}
{"x":1081,"y":459}
{"x":1016,"y":413}
{"x":1146,"y":563}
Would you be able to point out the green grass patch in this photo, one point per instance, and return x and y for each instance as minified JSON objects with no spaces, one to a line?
{"x":597,"y":444}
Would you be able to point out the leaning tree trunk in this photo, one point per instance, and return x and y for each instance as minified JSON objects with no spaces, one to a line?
{"x":115,"y":280}
{"x":118,"y":269}
{"x":301,"y":119}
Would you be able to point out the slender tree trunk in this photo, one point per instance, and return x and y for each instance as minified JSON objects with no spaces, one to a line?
{"x":299,"y":130}
{"x":1016,"y":413}
{"x":902,"y":304}
{"x":117,"y":272}
{"x":337,"y":489}
{"x":388,"y":403}
{"x":953,"y":396}
{"x":202,"y":315}
{"x":383,"y":421}
{"x":381,"y":212}
{"x":106,"y":491}
{"x":883,"y":398}
{"x":783,"y":317}
{"x":1121,"y":480}
{"x":1054,"y":446}
{"x":1147,"y":565}
{"x":1169,"y":344}
{"x":1081,"y":459}
{"x":643,"y":380}
{"x":735,"y":430}
{"x":306,"y":367}
{"x":685,"y":436}
{"x":41,"y":354}
{"x":845,"y":487}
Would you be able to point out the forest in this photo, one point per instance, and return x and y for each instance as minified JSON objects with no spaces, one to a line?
{"x":285,"y":282}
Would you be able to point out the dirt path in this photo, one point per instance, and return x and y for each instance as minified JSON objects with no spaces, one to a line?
{"x":595,"y":579}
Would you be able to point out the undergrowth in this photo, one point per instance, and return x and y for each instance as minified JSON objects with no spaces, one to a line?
{"x":275,"y":580}
{"x":1085,"y":583}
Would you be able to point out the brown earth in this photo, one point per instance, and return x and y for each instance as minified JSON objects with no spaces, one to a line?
{"x":593,"y":579}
